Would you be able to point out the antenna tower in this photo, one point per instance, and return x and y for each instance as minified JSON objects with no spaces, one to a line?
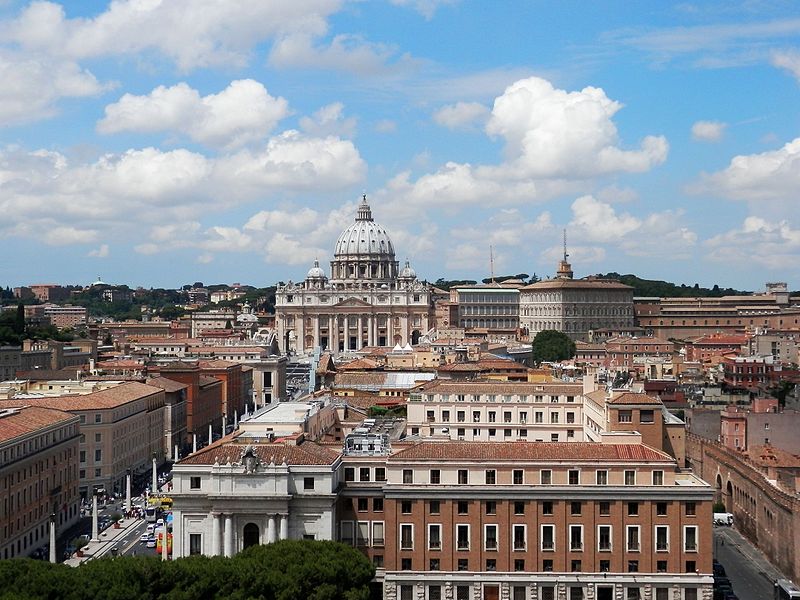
{"x":491,"y":262}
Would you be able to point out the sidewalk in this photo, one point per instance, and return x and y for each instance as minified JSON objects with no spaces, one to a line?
{"x":749,"y":551}
{"x":108,"y":539}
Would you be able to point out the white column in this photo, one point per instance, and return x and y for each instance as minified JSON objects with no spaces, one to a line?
{"x":300,"y":346}
{"x":155,"y":477}
{"x":210,"y":434}
{"x":236,"y":419}
{"x":52,"y":538}
{"x":330,"y":332}
{"x":215,"y":534}
{"x":224,"y":423}
{"x":316,"y":331}
{"x":284,"y":534}
{"x":194,"y":443}
{"x":175,"y":456}
{"x":359,"y":335}
{"x":370,"y":330}
{"x":128,"y":492}
{"x":228,"y":544}
{"x":164,"y":544}
{"x":271,"y":529}
{"x":95,"y":527}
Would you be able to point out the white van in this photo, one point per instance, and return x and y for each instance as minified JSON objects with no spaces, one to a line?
{"x":723,"y":519}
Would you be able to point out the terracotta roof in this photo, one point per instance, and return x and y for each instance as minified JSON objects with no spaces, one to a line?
{"x":530,"y":451}
{"x":29,"y":418}
{"x":360,"y":364}
{"x":722,"y":340}
{"x":548,"y":284}
{"x":166,"y":384}
{"x":769,"y":456}
{"x":344,"y":380}
{"x":48,"y":374}
{"x":179,"y":365}
{"x":448,"y":386}
{"x":326,"y":364}
{"x":205,"y":380}
{"x":216,"y":364}
{"x":227,"y":450}
{"x":104,"y":399}
{"x":633,"y":398}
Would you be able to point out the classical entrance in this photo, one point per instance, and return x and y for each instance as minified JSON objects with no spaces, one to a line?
{"x":251,"y":535}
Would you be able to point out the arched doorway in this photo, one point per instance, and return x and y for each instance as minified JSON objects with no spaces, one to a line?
{"x":415,"y":335}
{"x":251,"y":535}
{"x":729,"y":497}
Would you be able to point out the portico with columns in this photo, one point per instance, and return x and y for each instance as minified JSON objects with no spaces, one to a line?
{"x":368,"y":300}
{"x":234,"y":494}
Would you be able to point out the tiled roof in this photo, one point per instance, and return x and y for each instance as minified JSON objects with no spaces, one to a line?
{"x":179,"y":365}
{"x":205,"y":380}
{"x":104,"y":399}
{"x":48,"y":374}
{"x":226,"y":451}
{"x":345,"y":380}
{"x":29,"y":418}
{"x":550,"y":284}
{"x":634,"y":398}
{"x":769,"y":456}
{"x":216,"y":364}
{"x":326,"y":364}
{"x":360,"y":364}
{"x":166,"y":384}
{"x":448,"y":386}
{"x":530,"y":451}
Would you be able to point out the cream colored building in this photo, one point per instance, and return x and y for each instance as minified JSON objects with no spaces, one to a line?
{"x":575,"y":306}
{"x":367,"y":301}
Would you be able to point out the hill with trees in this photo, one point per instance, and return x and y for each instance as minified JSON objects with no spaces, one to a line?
{"x":286,"y":570}
{"x":663,"y":289}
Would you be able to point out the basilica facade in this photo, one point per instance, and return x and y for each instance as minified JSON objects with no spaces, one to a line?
{"x":367,"y":300}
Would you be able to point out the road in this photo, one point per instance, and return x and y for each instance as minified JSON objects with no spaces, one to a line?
{"x":750,"y":572}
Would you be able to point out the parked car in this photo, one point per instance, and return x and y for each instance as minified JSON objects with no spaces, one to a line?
{"x":151,"y":542}
{"x":144,"y":537}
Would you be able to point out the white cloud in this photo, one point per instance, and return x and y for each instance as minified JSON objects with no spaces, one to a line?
{"x":708,"y":131}
{"x":789,"y":60}
{"x":386,"y":126}
{"x":769,"y":176}
{"x":205,"y":258}
{"x":101,"y":252}
{"x":283,"y":249}
{"x":213,"y":34}
{"x":329,"y":120}
{"x":244,"y":112}
{"x":295,"y":221}
{"x":599,"y":222}
{"x":461,"y":115}
{"x":64,"y":236}
{"x":582,"y":255}
{"x":33,"y":84}
{"x":774,"y":245}
{"x":427,"y":8}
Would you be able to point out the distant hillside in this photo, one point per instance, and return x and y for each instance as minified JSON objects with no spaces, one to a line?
{"x":665,"y":289}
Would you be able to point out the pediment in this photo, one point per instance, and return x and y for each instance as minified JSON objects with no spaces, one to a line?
{"x":352,"y":303}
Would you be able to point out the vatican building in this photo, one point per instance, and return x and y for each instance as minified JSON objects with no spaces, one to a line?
{"x":367,"y":300}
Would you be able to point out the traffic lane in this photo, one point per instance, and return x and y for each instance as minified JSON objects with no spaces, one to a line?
{"x":129,"y":541}
{"x":747,"y":578}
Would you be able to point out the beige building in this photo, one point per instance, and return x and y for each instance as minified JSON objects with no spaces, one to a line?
{"x":38,"y":476}
{"x":575,"y":306}
{"x":367,"y":301}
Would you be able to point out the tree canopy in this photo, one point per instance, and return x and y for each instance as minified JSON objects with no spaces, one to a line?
{"x":664,"y":289}
{"x":552,"y":346}
{"x":286,"y":570}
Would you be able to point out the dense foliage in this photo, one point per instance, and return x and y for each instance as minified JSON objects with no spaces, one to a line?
{"x":13,"y":329}
{"x":664,"y":289}
{"x":286,"y":570}
{"x":552,"y":346}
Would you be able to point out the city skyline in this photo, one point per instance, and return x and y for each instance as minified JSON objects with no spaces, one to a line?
{"x":155,"y":150}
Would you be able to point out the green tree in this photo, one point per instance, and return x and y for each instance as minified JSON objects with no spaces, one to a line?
{"x":552,"y":346}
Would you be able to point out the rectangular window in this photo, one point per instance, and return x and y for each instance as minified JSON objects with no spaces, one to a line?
{"x":406,"y":537}
{"x":518,"y":477}
{"x":405,"y":507}
{"x":602,"y":477}
{"x":435,"y":476}
{"x":380,"y":474}
{"x":434,"y":564}
{"x":463,"y":477}
{"x":519,"y":507}
{"x":463,"y":564}
{"x":633,"y":509}
{"x":434,"y":536}
{"x":98,"y":418}
{"x":605,"y":509}
{"x":363,"y":473}
{"x":658,"y":477}
{"x":491,"y":564}
{"x":406,"y":592}
{"x":662,"y":593}
{"x":462,"y":537}
{"x":463,"y":507}
{"x":604,"y":538}
{"x":625,"y":416}
{"x":538,"y":416}
{"x":463,"y":591}
{"x":661,"y":509}
{"x":546,"y":476}
{"x":195,"y":544}
{"x":520,"y":535}
{"x":362,"y":504}
{"x":194,"y":483}
{"x":435,"y":591}
{"x":547,"y":507}
{"x":690,"y":538}
{"x":491,"y":507}
{"x":346,"y":532}
{"x":548,"y":537}
{"x":691,"y":509}
{"x":554,"y":417}
{"x":98,"y":455}
{"x":646,"y":416}
{"x":548,"y":592}
{"x":633,"y":566}
{"x":491,"y":476}
{"x":690,"y":594}
{"x":661,"y":566}
{"x":377,"y":505}
{"x":632,"y":538}
{"x":446,"y":416}
{"x":576,"y":538}
{"x":574,"y":477}
{"x":362,"y":532}
{"x":408,"y":476}
{"x":662,"y":538}
{"x":575,"y":507}
{"x":308,"y":483}
{"x":349,"y":474}
{"x":377,"y":533}
{"x":434,"y":506}
{"x":605,"y":566}
{"x":575,"y":592}
{"x":630,"y":477}
{"x":575,"y":565}
{"x":490,"y":537}
{"x":633,"y":593}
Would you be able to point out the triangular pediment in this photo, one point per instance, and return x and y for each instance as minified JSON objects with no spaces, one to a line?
{"x":352,"y":303}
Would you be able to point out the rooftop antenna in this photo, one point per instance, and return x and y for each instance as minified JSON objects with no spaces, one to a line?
{"x":491,"y":262}
{"x":565,"y":246}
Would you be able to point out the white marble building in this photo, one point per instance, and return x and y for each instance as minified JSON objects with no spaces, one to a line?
{"x":366,"y":301}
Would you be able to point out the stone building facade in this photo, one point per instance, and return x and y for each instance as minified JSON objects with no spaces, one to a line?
{"x":367,"y":300}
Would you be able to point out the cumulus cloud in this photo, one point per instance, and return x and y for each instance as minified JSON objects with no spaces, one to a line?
{"x":768,"y":176}
{"x":773,"y":245}
{"x":583,"y":255}
{"x":329,"y":120}
{"x":244,"y":112}
{"x":789,"y":60}
{"x":101,"y":252}
{"x":708,"y":131}
{"x":461,"y":115}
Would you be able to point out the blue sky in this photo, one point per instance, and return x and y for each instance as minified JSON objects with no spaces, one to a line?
{"x":159,"y":143}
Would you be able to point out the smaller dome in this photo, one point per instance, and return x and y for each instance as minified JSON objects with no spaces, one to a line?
{"x":315,"y":272}
{"x":408,"y":272}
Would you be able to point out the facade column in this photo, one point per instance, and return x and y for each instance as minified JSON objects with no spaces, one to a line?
{"x":330,"y":333}
{"x":284,"y":534}
{"x":316,"y":331}
{"x":404,"y":329}
{"x":52,"y":554}
{"x":228,"y":535}
{"x":300,"y":328}
{"x":215,"y":534}
{"x":360,"y":335}
{"x":95,"y":528}
{"x":271,"y":530}
{"x":370,"y":330}
{"x":128,"y":493}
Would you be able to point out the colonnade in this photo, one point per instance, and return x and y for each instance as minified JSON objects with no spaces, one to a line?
{"x":222,"y":531}
{"x":352,"y":331}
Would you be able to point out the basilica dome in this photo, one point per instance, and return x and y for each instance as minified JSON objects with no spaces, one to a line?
{"x":364,"y":237}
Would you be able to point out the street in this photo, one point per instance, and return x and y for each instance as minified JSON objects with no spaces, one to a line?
{"x":750,"y":572}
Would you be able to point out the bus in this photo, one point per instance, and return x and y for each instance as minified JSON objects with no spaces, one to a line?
{"x":785,"y":590}
{"x":156,"y":506}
